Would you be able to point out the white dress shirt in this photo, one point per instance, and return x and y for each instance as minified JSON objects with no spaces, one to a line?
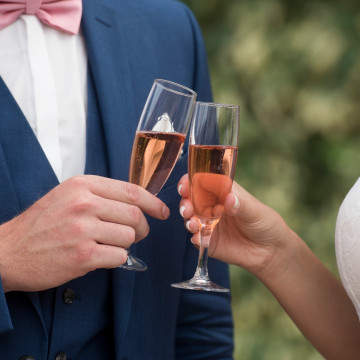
{"x":45,"y":70}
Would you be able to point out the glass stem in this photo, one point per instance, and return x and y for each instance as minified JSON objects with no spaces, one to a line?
{"x":202,"y":267}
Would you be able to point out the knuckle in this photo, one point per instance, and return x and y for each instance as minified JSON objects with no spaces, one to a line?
{"x":82,"y":203}
{"x":78,"y":181}
{"x":146,"y":230}
{"x":132,"y":193}
{"x":84,"y":252}
{"x":128,"y":235}
{"x":143,"y":233}
{"x":123,"y":255}
{"x":135,"y":214}
{"x":78,"y":228}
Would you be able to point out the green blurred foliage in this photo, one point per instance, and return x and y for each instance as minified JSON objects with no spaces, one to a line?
{"x":294,"y":67}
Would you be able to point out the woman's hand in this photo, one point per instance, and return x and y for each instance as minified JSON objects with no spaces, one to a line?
{"x":249,"y":234}
{"x":254,"y":236}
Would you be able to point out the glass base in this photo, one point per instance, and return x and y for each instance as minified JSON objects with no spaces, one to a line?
{"x":201,"y":284}
{"x":134,"y":264}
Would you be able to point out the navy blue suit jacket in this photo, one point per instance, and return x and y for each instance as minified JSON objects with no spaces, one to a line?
{"x":129,"y":44}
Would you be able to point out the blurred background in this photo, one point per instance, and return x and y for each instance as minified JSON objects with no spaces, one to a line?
{"x":294,"y":68}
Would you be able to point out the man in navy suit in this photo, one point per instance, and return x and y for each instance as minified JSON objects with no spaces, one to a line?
{"x":68,"y":114}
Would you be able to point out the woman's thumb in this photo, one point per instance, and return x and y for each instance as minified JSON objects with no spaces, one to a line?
{"x":232,"y":204}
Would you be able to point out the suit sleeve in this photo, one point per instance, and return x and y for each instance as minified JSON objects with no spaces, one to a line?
{"x":205,"y":326}
{"x":5,"y":318}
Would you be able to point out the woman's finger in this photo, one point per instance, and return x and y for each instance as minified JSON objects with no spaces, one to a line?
{"x":196,"y":239}
{"x":184,"y":186}
{"x":186,"y":209}
{"x":192,"y":225}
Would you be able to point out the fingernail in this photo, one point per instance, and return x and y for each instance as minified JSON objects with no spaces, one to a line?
{"x":182,"y":209}
{"x":179,"y":189}
{"x":237,"y":203}
{"x":165,"y":212}
{"x":192,"y":240}
{"x":188,"y":225}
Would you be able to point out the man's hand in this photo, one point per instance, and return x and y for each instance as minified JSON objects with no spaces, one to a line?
{"x":83,"y":224}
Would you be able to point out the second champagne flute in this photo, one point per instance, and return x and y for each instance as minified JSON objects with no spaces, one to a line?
{"x":159,"y":138}
{"x":212,"y":160}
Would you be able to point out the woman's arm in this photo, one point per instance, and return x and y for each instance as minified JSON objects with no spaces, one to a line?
{"x":256,"y":238}
{"x":316,"y":302}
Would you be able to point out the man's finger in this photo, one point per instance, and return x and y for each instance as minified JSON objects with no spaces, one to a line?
{"x":124,"y":192}
{"x":116,"y":235}
{"x":108,"y":257}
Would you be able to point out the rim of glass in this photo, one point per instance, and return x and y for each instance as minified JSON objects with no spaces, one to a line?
{"x":213,"y":104}
{"x":162,"y":83}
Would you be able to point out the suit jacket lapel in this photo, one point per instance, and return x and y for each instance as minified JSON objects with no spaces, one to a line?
{"x":27,"y":171}
{"x":109,"y":67}
{"x":108,"y":63}
{"x":27,"y":163}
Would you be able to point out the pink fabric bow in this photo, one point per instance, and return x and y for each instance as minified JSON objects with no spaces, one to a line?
{"x":64,"y":15}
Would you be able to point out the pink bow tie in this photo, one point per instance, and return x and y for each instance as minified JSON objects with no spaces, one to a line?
{"x":64,"y":15}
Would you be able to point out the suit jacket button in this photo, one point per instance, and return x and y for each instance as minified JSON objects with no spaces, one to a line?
{"x":68,"y":296}
{"x":60,"y":356}
{"x":27,"y":357}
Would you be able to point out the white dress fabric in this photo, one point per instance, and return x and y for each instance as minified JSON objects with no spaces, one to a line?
{"x":347,"y":244}
{"x":45,"y":70}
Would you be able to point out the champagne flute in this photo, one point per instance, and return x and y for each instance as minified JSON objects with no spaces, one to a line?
{"x":212,"y":161}
{"x":159,"y":138}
